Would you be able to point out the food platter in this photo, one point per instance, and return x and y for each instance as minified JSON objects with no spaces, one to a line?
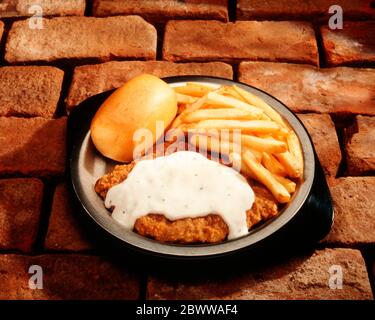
{"x":306,"y":218}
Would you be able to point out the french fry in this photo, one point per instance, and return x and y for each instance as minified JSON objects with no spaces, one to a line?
{"x":288,"y":184}
{"x":212,"y":106}
{"x":246,"y":171}
{"x":265,"y":177}
{"x":290,"y":164}
{"x":258,"y":102}
{"x":274,"y":166}
{"x":223,"y":146}
{"x":295,"y":149}
{"x":229,"y":91}
{"x":237,"y":158}
{"x":264,"y":144}
{"x":181,"y":107}
{"x":229,"y":113}
{"x":182,"y":98}
{"x":214,"y":145}
{"x":284,"y":132}
{"x":201,"y":86}
{"x":255,"y":126}
{"x":257,"y":154}
{"x":195,"y":106}
{"x":193,"y":89}
{"x":217,"y":99}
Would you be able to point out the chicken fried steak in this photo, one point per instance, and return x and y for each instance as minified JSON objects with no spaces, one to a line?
{"x":207,"y":229}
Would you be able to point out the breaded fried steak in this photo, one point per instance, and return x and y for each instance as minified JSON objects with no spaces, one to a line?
{"x":207,"y":229}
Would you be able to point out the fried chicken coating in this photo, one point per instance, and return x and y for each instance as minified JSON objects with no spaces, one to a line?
{"x":207,"y":229}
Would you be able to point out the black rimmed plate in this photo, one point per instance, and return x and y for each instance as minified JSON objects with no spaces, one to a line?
{"x":307,"y":218}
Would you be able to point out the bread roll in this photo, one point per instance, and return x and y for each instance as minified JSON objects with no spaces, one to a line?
{"x":138,"y":104}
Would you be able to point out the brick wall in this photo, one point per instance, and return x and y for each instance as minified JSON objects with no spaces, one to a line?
{"x":87,"y":47}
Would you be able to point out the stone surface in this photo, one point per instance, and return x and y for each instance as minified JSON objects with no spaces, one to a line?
{"x":160,"y":11}
{"x":243,"y":40}
{"x":1,"y":29}
{"x":301,"y":10}
{"x":81,"y":38}
{"x":34,"y":146}
{"x":30,"y":91}
{"x":24,"y":8}
{"x":299,"y":278}
{"x":323,"y":134}
{"x":93,"y":79}
{"x":304,"y":88}
{"x":354,"y":205}
{"x":64,"y":230}
{"x":353,"y":45}
{"x":66,"y":277}
{"x":360,"y":146}
{"x":20,"y":206}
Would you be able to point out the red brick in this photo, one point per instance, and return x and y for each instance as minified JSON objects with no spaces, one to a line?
{"x":323,"y":134}
{"x":66,"y":277}
{"x":360,"y":142}
{"x":244,"y":40}
{"x":305,"y":88}
{"x":20,"y":8}
{"x":353,"y":45}
{"x":64,"y":230}
{"x":20,"y":205}
{"x":34,"y":146}
{"x":301,"y":10}
{"x":1,"y":29}
{"x":162,"y":11}
{"x":300,"y":278}
{"x":82,"y":38}
{"x":93,"y":79}
{"x":29,"y":91}
{"x":354,"y":205}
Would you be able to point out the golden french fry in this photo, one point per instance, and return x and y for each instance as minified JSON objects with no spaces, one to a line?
{"x":288,"y":184}
{"x":182,"y":98}
{"x":229,"y":113}
{"x":274,"y":166}
{"x":264,"y":144}
{"x":257,"y":154}
{"x":265,"y":177}
{"x":218,"y":99}
{"x":192,"y":107}
{"x":258,"y":102}
{"x":245,"y":171}
{"x":193,"y":89}
{"x":255,"y":126}
{"x":214,"y":145}
{"x":211,"y":106}
{"x":181,"y":107}
{"x":229,"y":91}
{"x":295,"y":149}
{"x":203,"y":87}
{"x":284,"y":132}
{"x":290,"y":164}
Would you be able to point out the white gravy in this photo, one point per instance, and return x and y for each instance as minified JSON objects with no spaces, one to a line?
{"x":181,"y":185}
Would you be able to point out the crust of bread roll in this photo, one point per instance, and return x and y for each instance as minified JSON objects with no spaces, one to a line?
{"x":138,"y":104}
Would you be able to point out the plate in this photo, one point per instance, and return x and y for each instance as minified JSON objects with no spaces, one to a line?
{"x":306,"y":218}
